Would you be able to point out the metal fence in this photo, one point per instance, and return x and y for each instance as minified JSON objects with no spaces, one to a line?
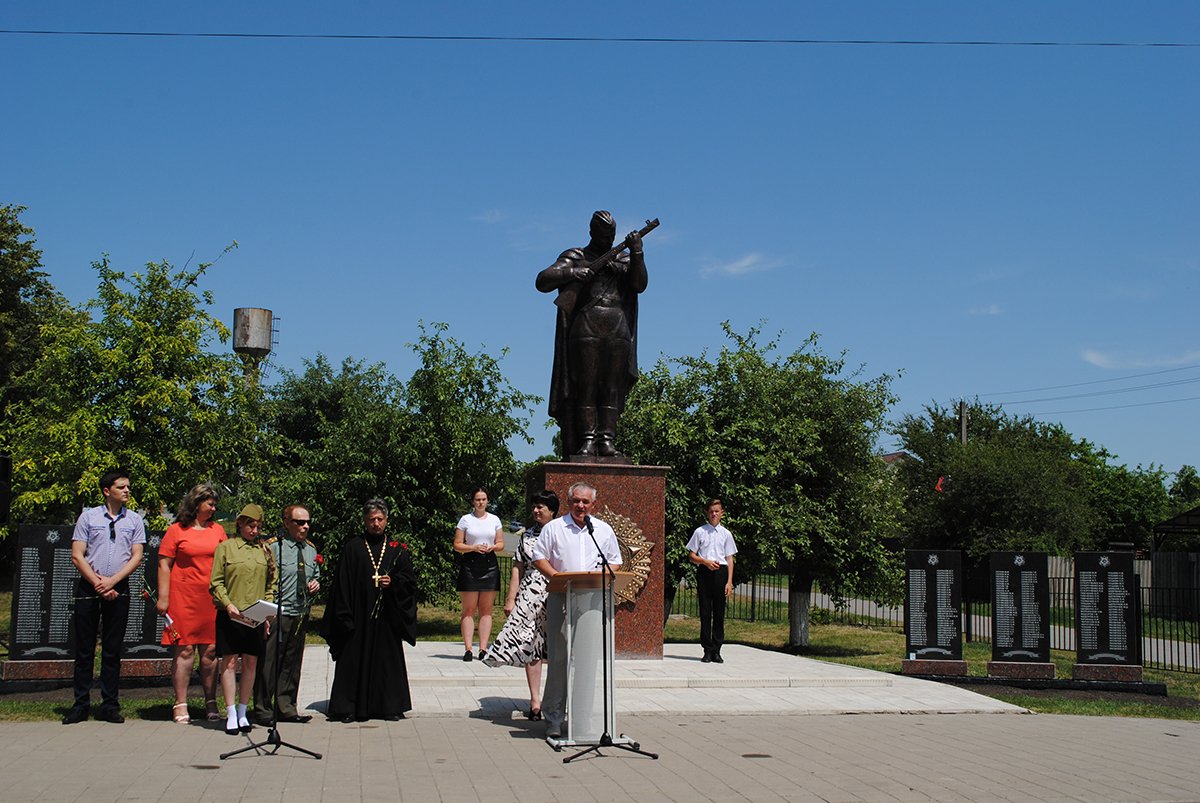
{"x":1169,"y":616}
{"x":763,"y":599}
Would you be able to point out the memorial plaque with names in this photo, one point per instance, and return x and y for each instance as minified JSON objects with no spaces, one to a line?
{"x":1105,"y":609}
{"x":933,"y":605}
{"x":43,"y":603}
{"x":1020,"y":607}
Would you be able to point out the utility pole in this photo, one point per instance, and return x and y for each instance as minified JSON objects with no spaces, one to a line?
{"x":962,"y":439}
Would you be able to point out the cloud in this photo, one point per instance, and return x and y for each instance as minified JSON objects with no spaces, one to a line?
{"x":1124,"y":361}
{"x":990,"y":309}
{"x":489,"y":216}
{"x":751,"y":263}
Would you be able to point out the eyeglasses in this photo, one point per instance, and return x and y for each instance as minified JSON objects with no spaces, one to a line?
{"x":112,"y":530}
{"x":300,"y":522}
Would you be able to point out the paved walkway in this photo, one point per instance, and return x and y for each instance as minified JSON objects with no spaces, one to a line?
{"x":750,"y":729}
{"x":750,"y":681}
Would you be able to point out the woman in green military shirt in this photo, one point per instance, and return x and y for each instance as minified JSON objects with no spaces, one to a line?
{"x":243,"y":573}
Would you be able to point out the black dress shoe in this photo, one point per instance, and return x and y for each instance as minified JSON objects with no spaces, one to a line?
{"x":75,"y":715}
{"x":110,"y":715}
{"x":706,"y":659}
{"x":717,"y":659}
{"x":392,"y":717}
{"x":232,"y":731}
{"x":245,"y":728}
{"x":298,"y":718}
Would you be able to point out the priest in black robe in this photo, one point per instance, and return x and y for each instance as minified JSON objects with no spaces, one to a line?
{"x":372,"y":609}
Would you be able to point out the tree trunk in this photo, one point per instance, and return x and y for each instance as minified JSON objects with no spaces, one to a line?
{"x":669,"y":590}
{"x":799,"y":602}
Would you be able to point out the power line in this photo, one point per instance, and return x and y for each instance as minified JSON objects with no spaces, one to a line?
{"x":1119,"y":406}
{"x":1092,"y":382}
{"x":1104,"y":392}
{"x":683,"y":40}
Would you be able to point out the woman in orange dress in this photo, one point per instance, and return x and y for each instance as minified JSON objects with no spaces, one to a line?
{"x":185,"y":560}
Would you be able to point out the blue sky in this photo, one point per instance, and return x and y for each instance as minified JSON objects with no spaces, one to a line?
{"x":983,"y":219}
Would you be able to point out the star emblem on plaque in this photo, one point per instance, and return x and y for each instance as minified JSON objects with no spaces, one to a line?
{"x":635,"y":553}
{"x":1104,"y":561}
{"x":933,"y":560}
{"x":52,"y":536}
{"x":1019,"y":560}
{"x":154,"y":541}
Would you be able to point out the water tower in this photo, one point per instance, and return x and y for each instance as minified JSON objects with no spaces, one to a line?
{"x":253,"y":337}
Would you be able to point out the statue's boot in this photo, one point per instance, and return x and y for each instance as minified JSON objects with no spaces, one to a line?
{"x":606,"y":436}
{"x":587,"y":426}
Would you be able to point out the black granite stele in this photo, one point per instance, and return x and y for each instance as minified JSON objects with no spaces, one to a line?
{"x":43,"y":602}
{"x":1020,"y":607}
{"x":933,"y":605}
{"x":1106,"y":624}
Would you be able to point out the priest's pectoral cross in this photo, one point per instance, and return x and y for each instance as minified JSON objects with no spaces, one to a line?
{"x":376,"y":577}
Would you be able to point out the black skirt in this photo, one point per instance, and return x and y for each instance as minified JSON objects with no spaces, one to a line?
{"x":238,"y":639}
{"x":478,"y":571}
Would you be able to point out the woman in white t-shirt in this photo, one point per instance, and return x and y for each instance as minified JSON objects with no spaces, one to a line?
{"x":477,"y":538}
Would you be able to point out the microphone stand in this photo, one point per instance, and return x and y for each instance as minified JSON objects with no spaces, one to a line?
{"x":274,"y":740}
{"x":607,"y":578}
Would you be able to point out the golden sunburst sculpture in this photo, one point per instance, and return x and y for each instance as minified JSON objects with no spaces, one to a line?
{"x":635,"y":553}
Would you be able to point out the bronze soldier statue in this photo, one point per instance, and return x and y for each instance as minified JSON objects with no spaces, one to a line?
{"x":595,"y":337}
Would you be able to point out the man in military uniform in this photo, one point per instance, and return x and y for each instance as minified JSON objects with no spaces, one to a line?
{"x":295,"y":558}
{"x":595,"y":337}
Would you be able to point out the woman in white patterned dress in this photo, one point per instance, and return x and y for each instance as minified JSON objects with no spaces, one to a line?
{"x":522,"y":640}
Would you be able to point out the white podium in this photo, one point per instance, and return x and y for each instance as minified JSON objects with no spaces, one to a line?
{"x":591,"y":708}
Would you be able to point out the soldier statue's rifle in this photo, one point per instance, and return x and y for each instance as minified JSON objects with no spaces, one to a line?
{"x":569,"y":293}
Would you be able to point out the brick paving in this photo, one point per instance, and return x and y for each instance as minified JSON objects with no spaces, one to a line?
{"x":761,"y":727}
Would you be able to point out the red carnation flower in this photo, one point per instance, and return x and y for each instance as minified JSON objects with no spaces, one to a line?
{"x":394,"y":544}
{"x":319,"y":559}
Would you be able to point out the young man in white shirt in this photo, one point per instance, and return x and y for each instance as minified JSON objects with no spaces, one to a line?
{"x":712,"y":549}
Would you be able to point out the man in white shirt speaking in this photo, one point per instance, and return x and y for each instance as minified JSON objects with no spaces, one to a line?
{"x":565,"y":545}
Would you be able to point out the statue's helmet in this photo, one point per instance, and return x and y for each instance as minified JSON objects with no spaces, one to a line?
{"x":603,"y":226}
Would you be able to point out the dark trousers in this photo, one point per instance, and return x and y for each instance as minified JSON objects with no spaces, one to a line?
{"x":710,"y":589}
{"x":108,"y":617}
{"x":285,"y":659}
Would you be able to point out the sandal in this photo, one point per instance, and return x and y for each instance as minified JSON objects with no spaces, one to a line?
{"x":183,"y":718}
{"x":213,"y":714}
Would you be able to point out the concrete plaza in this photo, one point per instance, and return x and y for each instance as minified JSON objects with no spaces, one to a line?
{"x":763,"y":726}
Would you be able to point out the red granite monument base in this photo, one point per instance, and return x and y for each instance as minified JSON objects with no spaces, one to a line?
{"x":1124,"y":673}
{"x":65,"y":670}
{"x":933,"y":667}
{"x":638,"y":493}
{"x":1020,"y":669}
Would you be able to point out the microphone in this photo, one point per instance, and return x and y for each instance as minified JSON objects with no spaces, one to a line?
{"x":587,"y":522}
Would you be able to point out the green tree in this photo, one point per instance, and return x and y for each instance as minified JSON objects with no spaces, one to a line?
{"x":787,"y":441}
{"x":422,"y":445}
{"x":1184,"y":493}
{"x":131,"y":379}
{"x":27,"y":300}
{"x":342,"y":439}
{"x":1018,"y":483}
